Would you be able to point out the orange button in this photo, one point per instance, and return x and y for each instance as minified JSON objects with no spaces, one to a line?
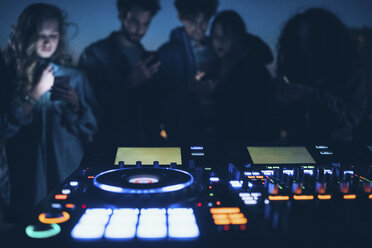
{"x":60,"y":197}
{"x":324,"y":197}
{"x":236,"y":216}
{"x":70,"y":205}
{"x":231,"y":210}
{"x":278,"y":197}
{"x":219,"y":216}
{"x":222,"y":222}
{"x":350,"y":197}
{"x":44,"y":219}
{"x":240,"y":221}
{"x":303,"y":197}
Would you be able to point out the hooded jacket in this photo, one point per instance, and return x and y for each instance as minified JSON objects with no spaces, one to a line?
{"x":181,"y":108}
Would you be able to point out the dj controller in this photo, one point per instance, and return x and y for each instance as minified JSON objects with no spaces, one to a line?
{"x":210,"y":196}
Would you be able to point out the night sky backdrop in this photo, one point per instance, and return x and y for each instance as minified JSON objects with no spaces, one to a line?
{"x":97,"y":18}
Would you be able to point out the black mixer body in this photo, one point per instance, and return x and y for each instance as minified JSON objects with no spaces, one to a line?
{"x":210,"y":196}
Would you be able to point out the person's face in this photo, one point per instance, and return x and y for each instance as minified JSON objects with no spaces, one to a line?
{"x":303,"y":34}
{"x":135,"y":24}
{"x":222,"y":44}
{"x":196,"y":27}
{"x":48,"y":38}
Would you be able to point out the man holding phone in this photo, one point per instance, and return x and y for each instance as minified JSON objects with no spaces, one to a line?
{"x":120,"y":71}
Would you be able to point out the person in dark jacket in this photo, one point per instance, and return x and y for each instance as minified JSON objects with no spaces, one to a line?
{"x":52,"y":108}
{"x":6,"y":130}
{"x":120,"y":71}
{"x":242,"y":89}
{"x":321,"y":94}
{"x":187,"y":54}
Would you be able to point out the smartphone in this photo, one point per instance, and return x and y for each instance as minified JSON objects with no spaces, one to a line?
{"x":153,"y":60}
{"x":206,"y":77}
{"x":59,"y":82}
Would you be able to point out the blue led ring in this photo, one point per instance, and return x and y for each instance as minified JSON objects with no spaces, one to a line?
{"x":123,"y":190}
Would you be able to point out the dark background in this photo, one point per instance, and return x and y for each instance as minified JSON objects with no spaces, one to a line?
{"x":97,"y":18}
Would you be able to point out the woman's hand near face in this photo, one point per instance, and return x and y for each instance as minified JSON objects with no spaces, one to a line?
{"x":44,"y":84}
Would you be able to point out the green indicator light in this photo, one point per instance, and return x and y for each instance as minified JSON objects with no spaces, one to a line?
{"x":303,"y":187}
{"x":311,"y":167}
{"x":269,"y":167}
{"x":55,"y":229}
{"x":211,"y":194}
{"x":280,"y":187}
{"x":207,"y":168}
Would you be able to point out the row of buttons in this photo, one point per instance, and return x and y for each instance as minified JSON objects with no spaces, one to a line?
{"x":127,"y":223}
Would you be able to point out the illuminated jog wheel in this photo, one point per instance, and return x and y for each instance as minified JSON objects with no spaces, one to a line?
{"x":143,"y":180}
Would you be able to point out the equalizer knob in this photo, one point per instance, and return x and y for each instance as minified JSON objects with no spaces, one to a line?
{"x":297,"y":188}
{"x":321,"y":187}
{"x":273,"y":188}
{"x":344,"y":187}
{"x":367,"y":187}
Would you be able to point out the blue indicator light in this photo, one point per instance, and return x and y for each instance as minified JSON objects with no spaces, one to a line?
{"x":56,"y":205}
{"x":214,"y":179}
{"x":268,"y":172}
{"x":250,"y":202}
{"x":236,"y":184}
{"x":288,"y":172}
{"x":74,"y":183}
{"x":66,"y":191}
{"x":197,"y":154}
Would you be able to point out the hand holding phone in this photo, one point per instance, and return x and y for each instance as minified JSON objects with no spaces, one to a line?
{"x":144,"y":70}
{"x":61,"y":83}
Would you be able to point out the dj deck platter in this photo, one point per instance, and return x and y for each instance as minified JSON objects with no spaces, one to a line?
{"x":143,"y":180}
{"x":198,"y":197}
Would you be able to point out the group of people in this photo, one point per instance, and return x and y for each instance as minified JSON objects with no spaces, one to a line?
{"x":195,"y":88}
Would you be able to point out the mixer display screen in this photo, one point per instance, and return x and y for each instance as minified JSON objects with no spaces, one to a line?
{"x":280,"y":155}
{"x":164,"y":155}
